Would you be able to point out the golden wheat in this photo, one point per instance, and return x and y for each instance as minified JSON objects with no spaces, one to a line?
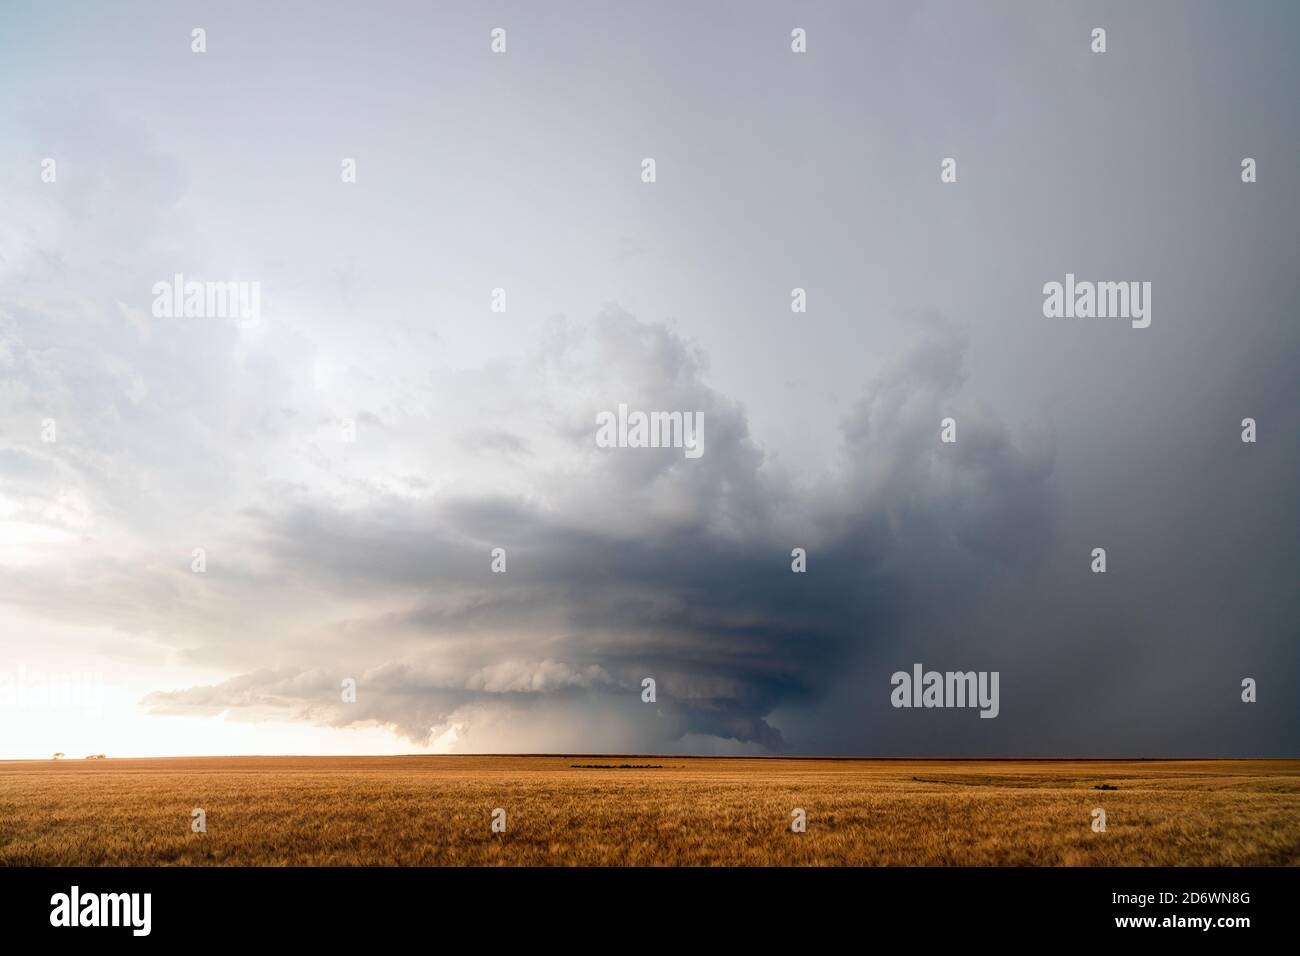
{"x":422,"y":810}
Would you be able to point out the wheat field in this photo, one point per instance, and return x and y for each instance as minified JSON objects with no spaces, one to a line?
{"x":438,"y":810}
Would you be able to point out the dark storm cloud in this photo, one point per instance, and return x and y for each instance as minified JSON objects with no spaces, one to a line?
{"x":711,"y":610}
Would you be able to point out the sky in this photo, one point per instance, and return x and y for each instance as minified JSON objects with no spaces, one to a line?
{"x":348,"y":459}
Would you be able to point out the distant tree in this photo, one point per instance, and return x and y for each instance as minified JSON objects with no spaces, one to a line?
{"x":59,"y":755}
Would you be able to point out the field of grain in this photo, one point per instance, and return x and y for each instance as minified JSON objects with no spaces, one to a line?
{"x":420,"y":810}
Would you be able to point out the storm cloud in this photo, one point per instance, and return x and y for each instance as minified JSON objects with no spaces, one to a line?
{"x":347,"y":467}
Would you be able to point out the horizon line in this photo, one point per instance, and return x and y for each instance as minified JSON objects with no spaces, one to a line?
{"x":660,"y":756}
